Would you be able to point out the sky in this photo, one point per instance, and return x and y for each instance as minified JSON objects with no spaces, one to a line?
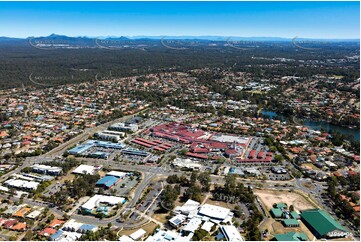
{"x":325,"y":20}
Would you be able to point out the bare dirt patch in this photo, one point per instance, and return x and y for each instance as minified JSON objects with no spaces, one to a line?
{"x":270,"y":197}
{"x":149,"y":228}
{"x":274,"y":227}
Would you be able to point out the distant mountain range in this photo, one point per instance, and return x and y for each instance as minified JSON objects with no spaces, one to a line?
{"x":185,"y":37}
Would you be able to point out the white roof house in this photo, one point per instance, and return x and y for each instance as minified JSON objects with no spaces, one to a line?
{"x":231,"y":233}
{"x":72,"y":225}
{"x":34,"y":214}
{"x":138,"y":234}
{"x":97,"y":199}
{"x":215,"y":212}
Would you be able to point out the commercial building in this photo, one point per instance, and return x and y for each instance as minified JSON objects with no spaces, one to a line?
{"x":186,"y":163}
{"x":107,"y":136}
{"x":107,"y":181}
{"x":322,"y":225}
{"x":81,"y":149}
{"x":131,"y":151}
{"x":85,"y":169}
{"x":21,"y":184}
{"x":124,"y":127}
{"x":97,"y":200}
{"x":118,"y":174}
{"x":44,"y":169}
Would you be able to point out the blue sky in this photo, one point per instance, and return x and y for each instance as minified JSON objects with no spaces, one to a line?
{"x":245,"y":19}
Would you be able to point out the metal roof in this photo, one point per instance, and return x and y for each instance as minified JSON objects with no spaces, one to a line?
{"x":320,"y":221}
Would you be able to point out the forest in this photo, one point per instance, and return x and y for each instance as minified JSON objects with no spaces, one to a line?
{"x":23,"y":65}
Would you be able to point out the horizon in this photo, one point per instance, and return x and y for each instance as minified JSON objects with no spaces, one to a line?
{"x":185,"y":37}
{"x":307,"y":20}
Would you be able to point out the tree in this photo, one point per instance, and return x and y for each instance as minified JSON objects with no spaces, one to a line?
{"x":279,"y":158}
{"x":204,"y":179}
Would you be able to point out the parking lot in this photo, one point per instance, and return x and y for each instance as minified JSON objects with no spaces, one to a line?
{"x":148,"y":199}
{"x":123,"y":187}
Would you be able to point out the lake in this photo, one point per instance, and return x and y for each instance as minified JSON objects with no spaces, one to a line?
{"x":317,"y":125}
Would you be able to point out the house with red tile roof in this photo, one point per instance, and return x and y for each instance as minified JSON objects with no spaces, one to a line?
{"x":8,"y":224}
{"x":19,"y":227}
{"x":47,"y":232}
{"x":55,"y":223}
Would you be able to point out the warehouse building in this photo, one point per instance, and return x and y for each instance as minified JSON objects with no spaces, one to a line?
{"x":322,"y":225}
